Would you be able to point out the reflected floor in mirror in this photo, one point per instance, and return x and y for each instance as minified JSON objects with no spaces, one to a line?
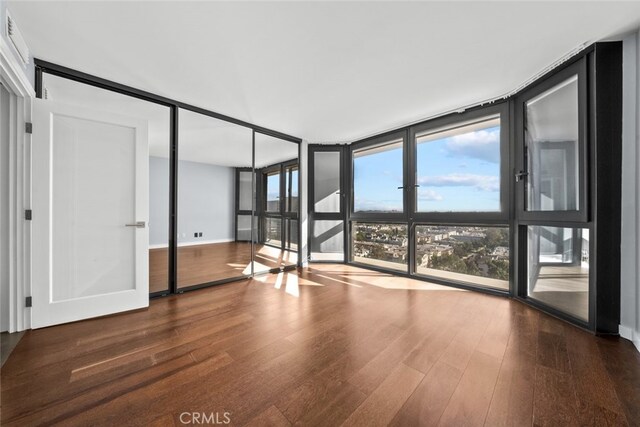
{"x":199,"y":264}
{"x":565,"y":288}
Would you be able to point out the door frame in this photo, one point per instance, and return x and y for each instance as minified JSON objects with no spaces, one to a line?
{"x":14,"y":77}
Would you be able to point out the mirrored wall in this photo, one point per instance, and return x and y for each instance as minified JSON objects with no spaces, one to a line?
{"x":277,"y":203}
{"x":210,"y":155}
{"x":221,"y":193}
{"x":157,"y":117}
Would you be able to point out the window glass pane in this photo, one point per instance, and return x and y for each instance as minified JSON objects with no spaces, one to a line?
{"x":552,"y":153}
{"x":558,"y":268}
{"x":326,"y":181}
{"x":273,"y":191}
{"x":273,"y":231}
{"x":380,"y":245}
{"x":244,"y":188}
{"x":327,"y":240}
{"x":277,"y":163}
{"x":244,"y":227}
{"x":476,"y":255}
{"x":291,"y":200}
{"x":292,"y":234}
{"x":458,"y":168}
{"x":377,"y":174}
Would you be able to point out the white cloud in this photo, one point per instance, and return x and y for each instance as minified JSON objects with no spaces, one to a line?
{"x":429,"y":194}
{"x":482,"y":144}
{"x":480,"y":182}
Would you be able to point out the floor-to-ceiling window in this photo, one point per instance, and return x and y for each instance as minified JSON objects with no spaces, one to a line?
{"x":379,"y":230}
{"x":460,"y":200}
{"x":433,"y":200}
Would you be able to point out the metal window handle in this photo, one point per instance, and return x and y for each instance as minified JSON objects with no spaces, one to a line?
{"x":138,"y":224}
{"x":521,"y":175}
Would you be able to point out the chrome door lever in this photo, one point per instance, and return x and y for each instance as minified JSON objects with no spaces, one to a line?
{"x":138,"y":224}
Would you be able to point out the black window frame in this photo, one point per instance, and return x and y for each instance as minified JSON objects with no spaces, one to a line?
{"x":452,"y":121}
{"x":577,"y":68}
{"x":382,"y":140}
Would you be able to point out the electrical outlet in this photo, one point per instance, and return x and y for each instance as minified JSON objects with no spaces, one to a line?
{"x":195,"y":234}
{"x":200,"y":234}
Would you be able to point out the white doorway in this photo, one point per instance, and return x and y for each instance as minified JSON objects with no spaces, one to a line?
{"x":90,"y":213}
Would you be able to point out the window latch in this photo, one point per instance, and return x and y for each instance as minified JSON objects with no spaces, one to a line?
{"x":521,"y":176}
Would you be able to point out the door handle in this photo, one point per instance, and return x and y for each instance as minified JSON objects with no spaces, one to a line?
{"x":521,"y":176}
{"x":138,"y":224}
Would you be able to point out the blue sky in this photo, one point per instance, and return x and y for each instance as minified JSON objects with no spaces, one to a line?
{"x":457,"y":173}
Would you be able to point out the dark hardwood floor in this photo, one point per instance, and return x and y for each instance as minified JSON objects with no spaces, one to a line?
{"x":336,"y":345}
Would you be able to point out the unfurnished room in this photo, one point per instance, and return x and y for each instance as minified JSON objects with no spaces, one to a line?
{"x":319,"y":213}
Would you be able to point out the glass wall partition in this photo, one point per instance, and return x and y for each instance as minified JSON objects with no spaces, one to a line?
{"x":277,"y":203}
{"x":213,"y":240}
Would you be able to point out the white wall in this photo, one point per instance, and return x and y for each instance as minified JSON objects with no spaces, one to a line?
{"x":28,"y":69}
{"x":630,"y":246}
{"x":206,"y":202}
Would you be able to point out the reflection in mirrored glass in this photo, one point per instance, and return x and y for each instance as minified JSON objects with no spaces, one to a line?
{"x":327,"y":240}
{"x":158,"y":120}
{"x":326,"y":181}
{"x":277,"y":203}
{"x":213,"y":244}
{"x":552,"y":148}
{"x":558,"y":268}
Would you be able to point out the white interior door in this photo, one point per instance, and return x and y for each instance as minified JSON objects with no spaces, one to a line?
{"x":90,"y":210}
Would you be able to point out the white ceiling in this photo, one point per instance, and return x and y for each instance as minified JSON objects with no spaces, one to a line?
{"x":323,"y":71}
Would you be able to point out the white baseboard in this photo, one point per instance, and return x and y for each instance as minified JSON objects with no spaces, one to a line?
{"x":631,"y":335}
{"x":195,"y":243}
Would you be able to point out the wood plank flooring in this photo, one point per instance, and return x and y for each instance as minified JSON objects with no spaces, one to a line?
{"x":333,"y":345}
